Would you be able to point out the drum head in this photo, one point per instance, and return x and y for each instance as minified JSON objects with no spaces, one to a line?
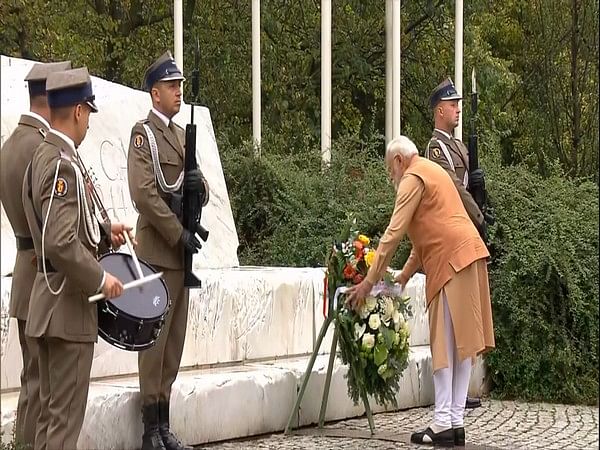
{"x":147,"y":301}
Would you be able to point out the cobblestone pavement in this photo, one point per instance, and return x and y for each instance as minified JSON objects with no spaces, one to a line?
{"x":494,"y":425}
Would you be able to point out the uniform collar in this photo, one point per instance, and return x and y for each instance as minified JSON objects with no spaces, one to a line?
{"x":37,"y":117}
{"x":161,"y":116}
{"x":67,"y":140}
{"x":443,"y":133}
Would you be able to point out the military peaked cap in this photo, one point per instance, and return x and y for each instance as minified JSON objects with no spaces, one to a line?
{"x":36,"y":78}
{"x":163,"y":69}
{"x":444,"y":91}
{"x":70,"y":87}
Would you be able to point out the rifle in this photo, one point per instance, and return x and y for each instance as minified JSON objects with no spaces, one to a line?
{"x":192,"y":204}
{"x":476,"y":178}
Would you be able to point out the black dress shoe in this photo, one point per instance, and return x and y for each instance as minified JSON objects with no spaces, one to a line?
{"x":459,"y":436}
{"x":428,"y":437}
{"x":472,"y":402}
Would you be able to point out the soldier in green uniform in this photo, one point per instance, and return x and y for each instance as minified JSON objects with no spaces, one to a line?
{"x":15,"y":156}
{"x":155,"y":172}
{"x":66,"y":235}
{"x":451,"y":153}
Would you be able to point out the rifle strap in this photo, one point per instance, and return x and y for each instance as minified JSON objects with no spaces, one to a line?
{"x":158,"y":173}
{"x":446,"y":153}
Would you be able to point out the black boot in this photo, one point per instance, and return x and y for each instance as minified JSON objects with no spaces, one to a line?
{"x":151,"y":439}
{"x":169,"y":439}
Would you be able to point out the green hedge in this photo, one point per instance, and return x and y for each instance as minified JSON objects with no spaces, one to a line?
{"x":544,"y":282}
{"x":544,"y":271}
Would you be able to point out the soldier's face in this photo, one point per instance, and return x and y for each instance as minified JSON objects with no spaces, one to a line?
{"x":166,"y":96}
{"x":450,"y":112}
{"x":82,"y":121}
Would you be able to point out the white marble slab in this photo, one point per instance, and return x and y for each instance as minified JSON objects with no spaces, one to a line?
{"x":227,"y":403}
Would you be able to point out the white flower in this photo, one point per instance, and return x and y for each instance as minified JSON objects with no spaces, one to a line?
{"x":396,"y":338}
{"x":364,"y":312}
{"x":398,"y":320}
{"x":381,"y":369}
{"x":388,"y":308}
{"x":371,"y":303}
{"x":374,"y":322}
{"x":359,"y":330}
{"x":368,"y":341}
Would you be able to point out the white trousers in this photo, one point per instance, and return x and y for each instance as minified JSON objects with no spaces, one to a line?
{"x":451,"y":383}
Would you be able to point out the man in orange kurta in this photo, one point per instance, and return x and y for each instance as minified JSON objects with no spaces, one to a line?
{"x":447,"y":246}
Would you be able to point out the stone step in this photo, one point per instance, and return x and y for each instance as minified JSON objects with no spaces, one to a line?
{"x":231,"y":402}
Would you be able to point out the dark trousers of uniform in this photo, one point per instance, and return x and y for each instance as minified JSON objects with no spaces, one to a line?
{"x":64,"y":383}
{"x":158,"y":366}
{"x":28,"y":408}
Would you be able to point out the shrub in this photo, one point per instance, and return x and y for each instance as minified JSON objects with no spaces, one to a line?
{"x":544,"y":283}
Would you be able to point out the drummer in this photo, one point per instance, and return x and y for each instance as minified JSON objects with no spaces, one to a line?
{"x":66,"y":236}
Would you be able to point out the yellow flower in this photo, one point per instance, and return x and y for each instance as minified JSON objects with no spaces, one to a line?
{"x":364,"y":239}
{"x":369,"y":257}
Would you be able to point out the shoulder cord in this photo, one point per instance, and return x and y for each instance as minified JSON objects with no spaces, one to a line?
{"x":92,"y":229}
{"x":465,"y":180}
{"x":158,"y":173}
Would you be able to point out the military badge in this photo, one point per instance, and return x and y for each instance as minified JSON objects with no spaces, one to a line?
{"x":61,"y":187}
{"x":435,"y":152}
{"x":138,"y":141}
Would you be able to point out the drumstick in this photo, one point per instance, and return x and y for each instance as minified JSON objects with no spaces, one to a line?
{"x":131,"y":284}
{"x":133,"y":255}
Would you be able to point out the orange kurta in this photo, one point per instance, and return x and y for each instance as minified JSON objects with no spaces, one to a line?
{"x":448,"y":248}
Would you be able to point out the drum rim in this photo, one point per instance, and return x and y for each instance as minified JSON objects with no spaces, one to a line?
{"x":147,"y":264}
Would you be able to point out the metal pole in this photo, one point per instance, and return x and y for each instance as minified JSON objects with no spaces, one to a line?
{"x":307,"y":373}
{"x":332,"y":354}
{"x":256,"y":91}
{"x":388,"y":71}
{"x":396,"y":69}
{"x":458,"y":60}
{"x":325,"y":83}
{"x":178,"y":33}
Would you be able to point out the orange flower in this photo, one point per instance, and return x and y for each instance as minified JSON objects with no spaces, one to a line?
{"x":359,"y":249}
{"x":357,"y":278}
{"x":349,"y":272}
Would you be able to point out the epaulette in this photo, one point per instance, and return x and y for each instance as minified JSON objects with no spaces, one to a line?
{"x":143,"y":121}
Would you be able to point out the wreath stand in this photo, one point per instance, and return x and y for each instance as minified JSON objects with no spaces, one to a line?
{"x":331,"y":317}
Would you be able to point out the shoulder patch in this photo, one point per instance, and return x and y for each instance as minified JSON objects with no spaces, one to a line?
{"x":435,"y":152}
{"x":61,"y":187}
{"x":138,"y":141}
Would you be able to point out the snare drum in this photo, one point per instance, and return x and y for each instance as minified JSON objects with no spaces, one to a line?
{"x":132,"y":321}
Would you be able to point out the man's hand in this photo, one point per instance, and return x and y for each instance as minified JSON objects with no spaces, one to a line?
{"x":476,"y":178}
{"x":117,"y":234}
{"x":189,"y":241}
{"x":402,"y":279}
{"x":193,"y":181}
{"x":355,"y":296}
{"x":112,"y":286}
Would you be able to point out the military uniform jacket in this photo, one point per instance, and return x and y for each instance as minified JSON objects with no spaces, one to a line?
{"x":16,"y":155}
{"x":158,"y":229}
{"x":459,"y":158}
{"x":68,"y":315}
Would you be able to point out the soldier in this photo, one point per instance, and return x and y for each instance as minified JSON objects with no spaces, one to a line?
{"x":66,"y":235}
{"x":155,"y":172}
{"x":450,"y":153}
{"x":15,"y":156}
